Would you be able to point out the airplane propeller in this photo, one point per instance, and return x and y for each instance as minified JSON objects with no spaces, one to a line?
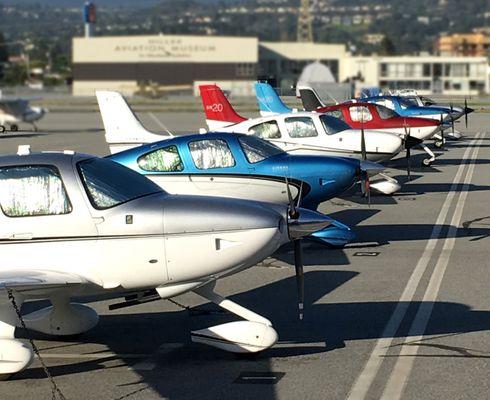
{"x":442,"y":131}
{"x":297,"y":249}
{"x":407,"y":149}
{"x":365,"y":185}
{"x":363,"y":144}
{"x":452,"y":118}
{"x":467,"y":110}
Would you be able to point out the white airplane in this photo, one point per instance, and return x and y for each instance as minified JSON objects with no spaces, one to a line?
{"x":307,"y":133}
{"x":74,"y":225}
{"x":16,"y":111}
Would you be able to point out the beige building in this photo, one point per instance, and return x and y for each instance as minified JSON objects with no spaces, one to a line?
{"x":425,"y":73}
{"x":169,"y":61}
{"x":475,"y":44}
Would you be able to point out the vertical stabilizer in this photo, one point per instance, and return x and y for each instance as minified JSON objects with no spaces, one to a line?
{"x":269,"y":101}
{"x":309,"y":97}
{"x":123,"y":130}
{"x":219,"y":112}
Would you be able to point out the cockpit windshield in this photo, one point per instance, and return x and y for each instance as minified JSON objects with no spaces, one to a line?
{"x":385,"y":112}
{"x":406,"y":102}
{"x":257,"y":149}
{"x":109,"y":184}
{"x":333,"y":125}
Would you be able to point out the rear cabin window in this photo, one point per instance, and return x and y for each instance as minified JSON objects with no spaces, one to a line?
{"x":211,"y":153}
{"x":266,"y":130}
{"x":32,"y":190}
{"x":162,"y":160}
{"x":300,"y":127}
{"x":360,"y":114}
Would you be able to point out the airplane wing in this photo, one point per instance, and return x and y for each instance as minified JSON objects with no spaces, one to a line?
{"x":15,"y":107}
{"x":22,"y":280}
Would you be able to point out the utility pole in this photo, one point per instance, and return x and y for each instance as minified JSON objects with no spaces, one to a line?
{"x":305,"y":30}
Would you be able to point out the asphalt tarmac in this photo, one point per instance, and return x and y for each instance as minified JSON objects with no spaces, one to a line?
{"x":402,"y":313}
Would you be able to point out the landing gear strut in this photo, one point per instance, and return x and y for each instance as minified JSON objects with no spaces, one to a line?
{"x":250,"y":336}
{"x":426,"y":162}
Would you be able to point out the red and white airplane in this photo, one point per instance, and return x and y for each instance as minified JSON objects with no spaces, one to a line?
{"x":305,"y":133}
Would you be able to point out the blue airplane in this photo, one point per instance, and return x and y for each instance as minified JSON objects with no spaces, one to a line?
{"x":406,"y":107}
{"x":236,"y":165}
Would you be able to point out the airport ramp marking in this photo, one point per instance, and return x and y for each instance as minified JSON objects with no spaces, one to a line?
{"x":403,"y":367}
{"x":159,"y":123}
{"x":364,"y":381}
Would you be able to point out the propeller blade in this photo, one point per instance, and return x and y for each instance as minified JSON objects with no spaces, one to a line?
{"x":292,"y":208}
{"x":368,"y":190}
{"x":300,"y":281}
{"x":408,"y":145}
{"x":408,"y":164}
{"x":298,"y":203}
{"x":452,"y":119}
{"x":442,"y":131}
{"x":363,"y":144}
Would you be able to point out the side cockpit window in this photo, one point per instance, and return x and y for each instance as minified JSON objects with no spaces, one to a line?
{"x":211,"y":153}
{"x":32,"y":190}
{"x":162,"y":160}
{"x":360,"y":114}
{"x":266,"y":130}
{"x":300,"y":127}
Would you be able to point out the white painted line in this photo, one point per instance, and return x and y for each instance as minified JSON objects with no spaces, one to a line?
{"x":401,"y":372}
{"x":364,"y":381}
{"x":159,"y":123}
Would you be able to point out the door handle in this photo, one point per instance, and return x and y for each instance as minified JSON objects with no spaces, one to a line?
{"x":21,"y":236}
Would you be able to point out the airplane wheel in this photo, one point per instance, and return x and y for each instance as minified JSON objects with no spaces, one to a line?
{"x":438,"y":144}
{"x":2,"y":128}
{"x":426,"y":162}
{"x":14,"y":128}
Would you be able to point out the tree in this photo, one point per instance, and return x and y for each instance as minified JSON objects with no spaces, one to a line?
{"x":4,"y":55}
{"x":387,"y":48}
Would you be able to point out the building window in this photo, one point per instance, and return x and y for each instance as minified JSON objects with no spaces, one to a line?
{"x":245,"y":70}
{"x":384,"y":70}
{"x":426,"y":70}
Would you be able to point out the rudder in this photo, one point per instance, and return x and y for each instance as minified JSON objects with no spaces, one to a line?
{"x":309,"y":97}
{"x":123,"y":129}
{"x":218,"y":110}
{"x":269,"y":101}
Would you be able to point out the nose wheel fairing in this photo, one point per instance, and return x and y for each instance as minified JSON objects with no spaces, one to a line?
{"x":335,"y":235}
